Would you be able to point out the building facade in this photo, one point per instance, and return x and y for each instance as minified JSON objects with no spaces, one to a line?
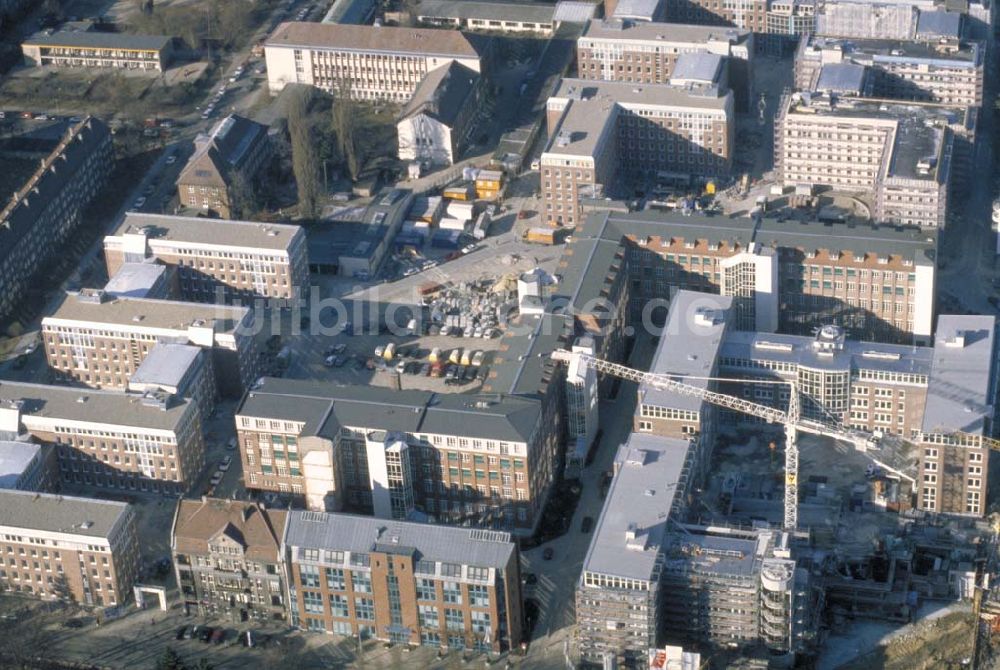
{"x":435,"y":125}
{"x":108,"y":439}
{"x":372,"y":62}
{"x":227,"y":558}
{"x":224,"y":261}
{"x":27,"y":466}
{"x":220,"y":175}
{"x":408,"y":583}
{"x":89,"y":49}
{"x":41,"y":216}
{"x":101,"y":340}
{"x":493,"y":17}
{"x":65,"y":548}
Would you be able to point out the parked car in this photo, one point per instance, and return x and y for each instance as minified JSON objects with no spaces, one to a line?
{"x":586,"y":524}
{"x":226,"y":463}
{"x":181,"y":632}
{"x":192,"y":633}
{"x":171,"y":159}
{"x":206,"y":633}
{"x":218,"y":636}
{"x":425,"y":369}
{"x":339,"y":360}
{"x":216,"y":478}
{"x":140,"y":201}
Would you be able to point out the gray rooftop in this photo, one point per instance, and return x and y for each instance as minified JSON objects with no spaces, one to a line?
{"x":15,"y":457}
{"x":325,"y":408}
{"x":961,"y":388}
{"x":698,"y":321}
{"x":166,"y":365}
{"x":91,"y":406}
{"x":666,"y":33}
{"x":98,"y":40}
{"x":939,"y":24}
{"x":574,"y":11}
{"x":642,"y":10}
{"x":487,"y":11}
{"x":135,"y":280}
{"x":148,"y":314}
{"x":734,"y":557}
{"x":428,"y":542}
{"x":642,"y":493}
{"x":874,"y":51}
{"x":86,"y":517}
{"x":918,"y":152}
{"x":842,"y":78}
{"x":700,"y":67}
{"x":215,"y":232}
{"x":523,"y":366}
{"x":443,"y":93}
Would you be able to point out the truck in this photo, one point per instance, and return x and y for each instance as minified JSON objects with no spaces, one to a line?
{"x":455,"y":356}
{"x":435,"y":355}
{"x":545,"y":235}
{"x":390,"y":351}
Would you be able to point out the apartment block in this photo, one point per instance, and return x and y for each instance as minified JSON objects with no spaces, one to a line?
{"x":227,"y":558}
{"x":44,"y":213}
{"x":226,"y":163}
{"x":66,"y":548}
{"x":898,"y":156}
{"x":406,"y":583}
{"x":608,"y":137}
{"x":375,"y":62}
{"x":221,"y":261}
{"x":107,"y":439}
{"x":619,"y":596}
{"x":949,"y":72}
{"x":455,"y":458}
{"x":101,"y":340}
{"x":91,"y":49}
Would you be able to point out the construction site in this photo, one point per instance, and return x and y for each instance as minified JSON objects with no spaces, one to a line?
{"x":780,"y":513}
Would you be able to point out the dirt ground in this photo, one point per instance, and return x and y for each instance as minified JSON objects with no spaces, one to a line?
{"x":938,"y":644}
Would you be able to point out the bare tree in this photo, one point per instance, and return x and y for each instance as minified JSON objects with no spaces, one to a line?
{"x":345,"y":117}
{"x":305,"y":161}
{"x":242,"y":196}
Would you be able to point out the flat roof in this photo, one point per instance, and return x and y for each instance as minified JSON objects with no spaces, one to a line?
{"x":692,"y":337}
{"x":216,"y":232}
{"x":918,"y":152}
{"x":641,"y":494}
{"x":645,"y":10}
{"x":98,"y":40}
{"x":574,"y":11}
{"x":842,"y":78}
{"x":957,"y":54}
{"x":960,"y":390}
{"x":523,"y":363}
{"x":148,"y":313}
{"x":667,"y":33}
{"x":15,"y":457}
{"x":590,"y":105}
{"x":334,"y":36}
{"x":324,"y":408}
{"x":706,"y":554}
{"x":88,"y":517}
{"x":906,"y":242}
{"x":86,"y":405}
{"x":166,"y":365}
{"x":490,"y":11}
{"x":135,"y":280}
{"x":698,"y":66}
{"x":427,"y":542}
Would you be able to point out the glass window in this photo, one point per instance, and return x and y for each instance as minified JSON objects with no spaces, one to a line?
{"x":309,"y":575}
{"x":338,"y":606}
{"x":364,"y":608}
{"x":426,"y":590}
{"x":360,"y":558}
{"x":428,"y":616}
{"x":480,"y":621}
{"x":362,"y":582}
{"x":335,"y":579}
{"x":454,"y":619}
{"x":479,"y":596}
{"x":312,"y":602}
{"x":453,"y":593}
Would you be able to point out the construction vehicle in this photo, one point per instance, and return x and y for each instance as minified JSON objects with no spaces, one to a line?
{"x":790,"y":418}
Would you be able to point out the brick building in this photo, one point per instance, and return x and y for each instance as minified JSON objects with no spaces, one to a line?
{"x":227,"y":556}
{"x":409,"y":583}
{"x":65,"y":548}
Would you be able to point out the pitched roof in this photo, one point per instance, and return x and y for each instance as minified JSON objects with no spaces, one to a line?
{"x":443,"y":93}
{"x":256,"y":529}
{"x":224,"y":149}
{"x":423,"y":41}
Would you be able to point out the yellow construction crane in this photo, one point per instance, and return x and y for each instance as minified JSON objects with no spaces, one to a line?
{"x":791,"y":419}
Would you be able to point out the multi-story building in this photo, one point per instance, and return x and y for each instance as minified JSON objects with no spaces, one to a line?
{"x":607,"y":136}
{"x":434,"y":126}
{"x":493,"y":17}
{"x":619,"y":597}
{"x":67,"y":548}
{"x":223,"y":261}
{"x":409,"y":583}
{"x":27,"y":466}
{"x":784,"y":276}
{"x":897,"y":156}
{"x":147,"y":279}
{"x":102,"y":340}
{"x":109,"y":439}
{"x":455,"y":458}
{"x":43,"y":213}
{"x":372,"y":62}
{"x":227,"y":556}
{"x":905,"y":19}
{"x":91,"y":49}
{"x":219,"y":176}
{"x":182,"y":370}
{"x":747,"y":14}
{"x":950,"y":73}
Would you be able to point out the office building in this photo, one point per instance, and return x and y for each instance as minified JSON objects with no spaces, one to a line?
{"x":435,"y":125}
{"x":217,"y":261}
{"x":610,"y":137}
{"x":905,"y":19}
{"x":220,"y":175}
{"x":227,"y":557}
{"x":897,"y":156}
{"x":619,"y":597}
{"x":102,"y":340}
{"x":949,"y":72}
{"x":377,"y":62}
{"x":66,"y":548}
{"x":145,"y":279}
{"x":493,"y":17}
{"x":392,"y":453}
{"x":91,"y":49}
{"x":27,"y":466}
{"x":42,"y":215}
{"x":406,"y":583}
{"x":182,"y":370}
{"x":746,"y":14}
{"x":648,"y":53}
{"x":109,"y":439}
